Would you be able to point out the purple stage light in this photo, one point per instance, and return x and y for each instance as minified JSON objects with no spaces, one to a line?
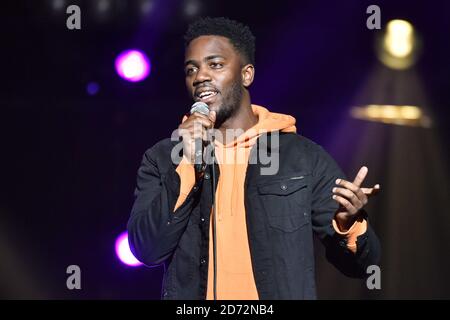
{"x":123,"y":251}
{"x":133,"y":65}
{"x":92,"y":88}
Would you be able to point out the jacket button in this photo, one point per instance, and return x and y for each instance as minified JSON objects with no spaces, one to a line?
{"x":283,"y":187}
{"x":343,"y":243}
{"x":195,"y":188}
{"x":206,"y":176}
{"x":202,"y":261}
{"x":202,"y":219}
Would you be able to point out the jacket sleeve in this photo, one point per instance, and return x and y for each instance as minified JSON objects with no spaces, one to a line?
{"x":352,"y":264}
{"x":154,"y":228}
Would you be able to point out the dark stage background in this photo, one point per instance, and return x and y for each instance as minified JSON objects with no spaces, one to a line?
{"x":69,"y":159}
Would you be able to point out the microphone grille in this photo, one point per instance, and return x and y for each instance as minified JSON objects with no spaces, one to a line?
{"x":200,"y":107}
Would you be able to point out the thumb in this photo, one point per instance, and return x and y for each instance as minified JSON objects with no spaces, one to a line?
{"x":212,"y":116}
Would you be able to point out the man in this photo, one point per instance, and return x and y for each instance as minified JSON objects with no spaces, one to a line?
{"x":264,"y":222}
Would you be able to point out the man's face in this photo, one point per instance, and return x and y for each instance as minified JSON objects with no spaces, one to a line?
{"x":213,"y":75}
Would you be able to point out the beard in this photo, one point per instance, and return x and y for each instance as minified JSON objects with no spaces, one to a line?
{"x":231,"y":103}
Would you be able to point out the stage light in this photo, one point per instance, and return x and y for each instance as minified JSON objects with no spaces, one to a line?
{"x":397,"y":48}
{"x":192,"y":8}
{"x":103,"y":6}
{"x":92,"y":88}
{"x":103,"y":11}
{"x":411,"y":112}
{"x":58,"y":5}
{"x":146,"y":6}
{"x":392,"y":114}
{"x":123,"y":251}
{"x":399,"y":38}
{"x":133,"y":65}
{"x":394,"y":92}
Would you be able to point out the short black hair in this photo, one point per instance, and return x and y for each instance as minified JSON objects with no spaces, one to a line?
{"x":239,"y":34}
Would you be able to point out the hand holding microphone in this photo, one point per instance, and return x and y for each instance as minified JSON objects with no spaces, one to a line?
{"x":193,"y":132}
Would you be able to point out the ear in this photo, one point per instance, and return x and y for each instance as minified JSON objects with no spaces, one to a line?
{"x":248,"y":74}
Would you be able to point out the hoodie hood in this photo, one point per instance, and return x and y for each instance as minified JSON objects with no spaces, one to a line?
{"x":267,"y":122}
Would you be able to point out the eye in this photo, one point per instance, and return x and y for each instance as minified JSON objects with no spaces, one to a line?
{"x":190,"y":70}
{"x":216,"y":65}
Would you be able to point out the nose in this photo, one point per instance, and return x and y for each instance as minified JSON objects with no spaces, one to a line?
{"x":201,"y":76}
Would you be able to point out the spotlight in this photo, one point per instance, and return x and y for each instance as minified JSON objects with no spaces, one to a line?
{"x":191,"y":8}
{"x":103,"y":11}
{"x":146,"y":6}
{"x":103,"y":6}
{"x":58,"y":5}
{"x":133,"y":65}
{"x":397,"y":48}
{"x":92,"y":88}
{"x":399,"y":38}
{"x":392,"y":114}
{"x":394,"y":92}
{"x":123,"y":251}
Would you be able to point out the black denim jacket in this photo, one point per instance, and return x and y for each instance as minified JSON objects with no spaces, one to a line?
{"x":282,"y":212}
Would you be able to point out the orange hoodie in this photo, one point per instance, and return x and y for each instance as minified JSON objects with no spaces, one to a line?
{"x":235,"y":279}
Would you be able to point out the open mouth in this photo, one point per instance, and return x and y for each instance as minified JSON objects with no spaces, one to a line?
{"x":206,"y":96}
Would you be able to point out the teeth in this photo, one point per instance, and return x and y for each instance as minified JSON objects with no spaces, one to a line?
{"x":206,"y":94}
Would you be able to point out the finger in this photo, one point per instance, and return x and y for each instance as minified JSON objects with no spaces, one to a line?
{"x":362,"y":173}
{"x":347,"y":184}
{"x":345,"y":203}
{"x":371,"y":191}
{"x":198,"y":129}
{"x":194,"y":122}
{"x":198,"y":117}
{"x":203,"y":121}
{"x":351,"y":196}
{"x":355,"y":189}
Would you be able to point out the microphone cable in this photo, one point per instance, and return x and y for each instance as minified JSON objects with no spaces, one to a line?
{"x":213,"y":171}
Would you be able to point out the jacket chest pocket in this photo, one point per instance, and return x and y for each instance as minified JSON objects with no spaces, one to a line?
{"x":286,"y":202}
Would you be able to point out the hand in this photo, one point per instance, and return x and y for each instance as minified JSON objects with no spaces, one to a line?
{"x":352,"y":198}
{"x":195,"y":127}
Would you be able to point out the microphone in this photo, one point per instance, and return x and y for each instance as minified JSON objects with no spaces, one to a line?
{"x":202,"y":108}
